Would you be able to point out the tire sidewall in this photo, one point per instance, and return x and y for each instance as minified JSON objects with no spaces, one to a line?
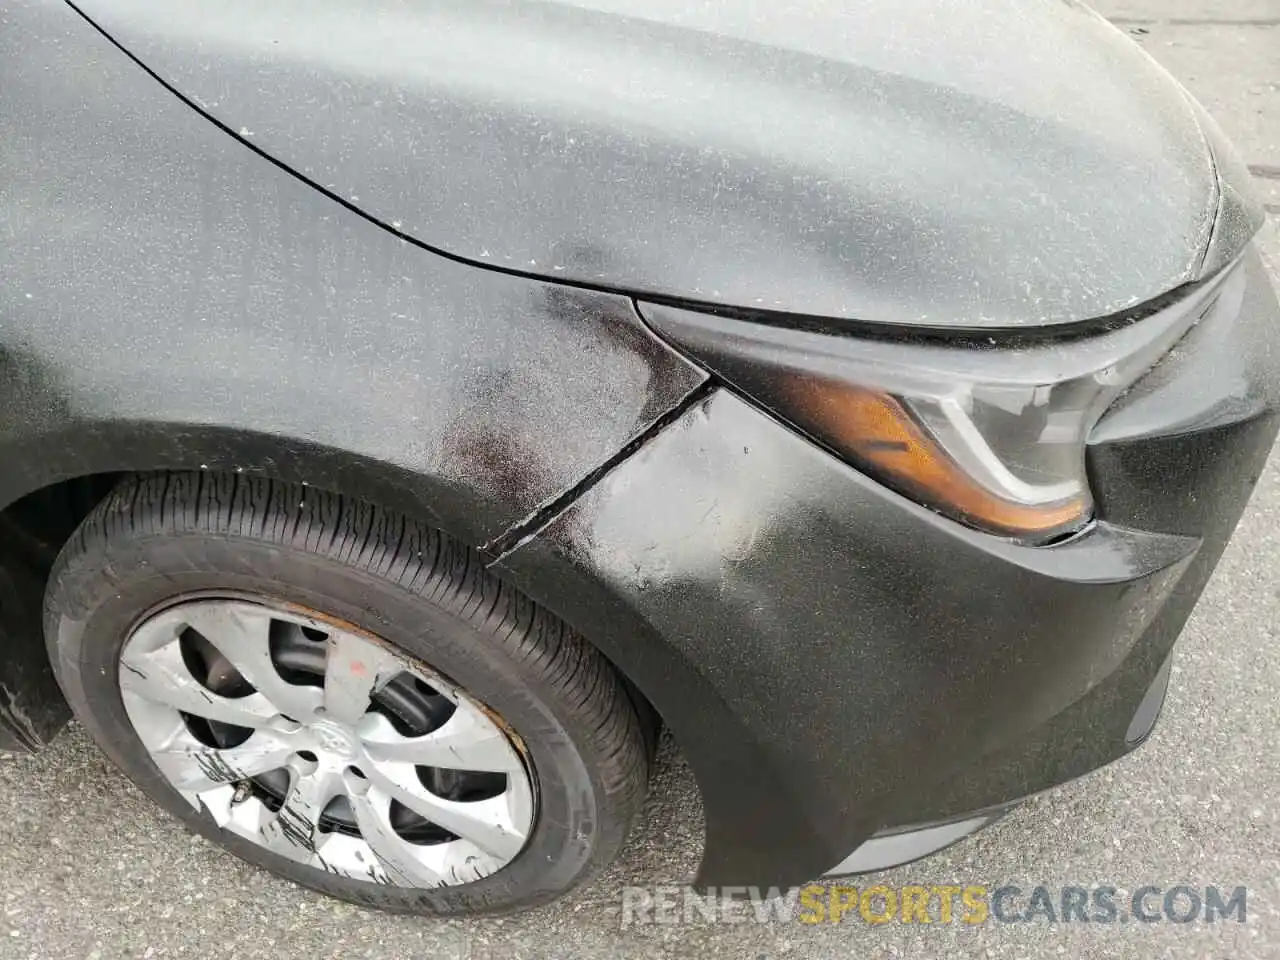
{"x":95,"y":602}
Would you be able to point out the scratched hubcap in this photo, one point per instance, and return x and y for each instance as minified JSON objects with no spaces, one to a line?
{"x":325,"y":745}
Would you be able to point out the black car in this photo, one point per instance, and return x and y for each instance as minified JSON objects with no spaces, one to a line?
{"x":410,"y":408}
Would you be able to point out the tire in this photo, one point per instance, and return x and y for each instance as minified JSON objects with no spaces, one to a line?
{"x":159,"y":539}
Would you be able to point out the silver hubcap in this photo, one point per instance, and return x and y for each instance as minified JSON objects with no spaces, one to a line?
{"x":366,"y":765}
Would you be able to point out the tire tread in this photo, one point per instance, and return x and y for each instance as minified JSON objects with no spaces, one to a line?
{"x":414,"y":557}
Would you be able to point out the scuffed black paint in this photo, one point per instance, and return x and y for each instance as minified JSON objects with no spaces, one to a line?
{"x":531,"y":524}
{"x":173,"y":300}
{"x":215,"y":767}
{"x":298,"y":830}
{"x":829,"y":655}
{"x":798,"y":625}
{"x":132,"y":669}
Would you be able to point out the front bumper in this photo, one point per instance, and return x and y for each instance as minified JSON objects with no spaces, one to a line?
{"x":896,"y":846}
{"x":837,"y":661}
{"x":1179,"y":455}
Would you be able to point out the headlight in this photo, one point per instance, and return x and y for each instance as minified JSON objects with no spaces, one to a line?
{"x":991,"y":436}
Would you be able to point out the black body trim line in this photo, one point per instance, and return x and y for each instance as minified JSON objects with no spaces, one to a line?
{"x":517,"y":533}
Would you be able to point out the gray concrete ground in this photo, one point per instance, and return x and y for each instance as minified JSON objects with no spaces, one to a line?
{"x":89,"y":868}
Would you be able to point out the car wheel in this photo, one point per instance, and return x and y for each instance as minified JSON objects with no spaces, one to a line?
{"x":342,"y":696}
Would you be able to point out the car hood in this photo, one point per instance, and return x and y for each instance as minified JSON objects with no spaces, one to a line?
{"x":945,"y":163}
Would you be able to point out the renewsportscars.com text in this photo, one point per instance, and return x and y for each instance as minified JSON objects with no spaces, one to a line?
{"x":971,"y":904}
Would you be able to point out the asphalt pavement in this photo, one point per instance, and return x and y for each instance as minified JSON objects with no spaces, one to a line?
{"x":90,"y":868}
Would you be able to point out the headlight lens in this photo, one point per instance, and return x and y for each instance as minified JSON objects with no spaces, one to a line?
{"x":991,"y":436}
{"x":935,"y":450}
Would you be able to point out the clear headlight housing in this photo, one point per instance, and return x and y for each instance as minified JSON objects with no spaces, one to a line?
{"x":993,"y":436}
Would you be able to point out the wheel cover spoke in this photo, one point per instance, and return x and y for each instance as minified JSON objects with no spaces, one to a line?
{"x":161,"y":677}
{"x":294,"y":831}
{"x":396,"y":857}
{"x":486,"y":823}
{"x":354,"y":670}
{"x":192,"y":766}
{"x":241,"y":632}
{"x":464,"y":742}
{"x":299,"y":753}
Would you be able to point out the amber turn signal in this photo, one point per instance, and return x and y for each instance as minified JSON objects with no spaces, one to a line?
{"x":878,"y":434}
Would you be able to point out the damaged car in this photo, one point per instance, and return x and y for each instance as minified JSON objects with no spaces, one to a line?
{"x":411,"y":409}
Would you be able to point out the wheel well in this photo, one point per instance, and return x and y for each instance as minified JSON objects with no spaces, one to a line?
{"x":37,"y":525}
{"x":33,"y":531}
